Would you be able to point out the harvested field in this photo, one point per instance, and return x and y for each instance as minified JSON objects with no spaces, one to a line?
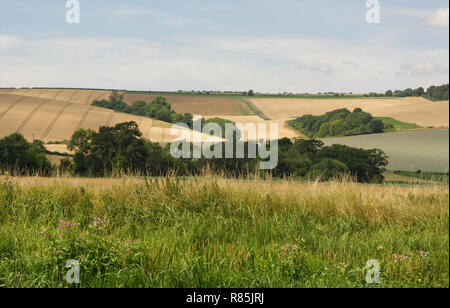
{"x":199,"y":105}
{"x":85,"y":97}
{"x":414,"y":110}
{"x":427,"y":150}
{"x":58,"y":148}
{"x":54,"y":120}
{"x":283,"y":129}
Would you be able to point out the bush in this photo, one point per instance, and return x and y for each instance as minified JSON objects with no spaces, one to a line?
{"x":340,"y":122}
{"x":20,"y":156}
{"x":158,"y":109}
{"x":328,"y":169}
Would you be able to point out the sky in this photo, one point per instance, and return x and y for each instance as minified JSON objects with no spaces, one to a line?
{"x":271,"y":46}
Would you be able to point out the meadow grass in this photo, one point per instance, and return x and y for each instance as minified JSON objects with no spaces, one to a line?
{"x":397,"y":125}
{"x":212,"y":232}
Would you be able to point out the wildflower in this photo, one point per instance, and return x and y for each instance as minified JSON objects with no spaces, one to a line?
{"x":288,"y":250}
{"x":62,"y":225}
{"x":99,"y":223}
{"x":380,"y":247}
{"x":43,"y":231}
{"x":424,"y":254}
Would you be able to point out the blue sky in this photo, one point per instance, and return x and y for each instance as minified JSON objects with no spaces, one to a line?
{"x":266,"y":45}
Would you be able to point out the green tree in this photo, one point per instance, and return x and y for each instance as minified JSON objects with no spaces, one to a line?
{"x":22,"y":157}
{"x":376,"y":126}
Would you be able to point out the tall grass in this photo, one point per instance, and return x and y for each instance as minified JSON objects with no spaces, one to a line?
{"x":213,"y":232}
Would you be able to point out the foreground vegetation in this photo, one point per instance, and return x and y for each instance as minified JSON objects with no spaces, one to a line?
{"x":210,"y":232}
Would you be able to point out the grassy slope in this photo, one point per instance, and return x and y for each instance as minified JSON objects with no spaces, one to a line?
{"x":398,"y":126}
{"x":427,"y":176}
{"x":218,"y":233}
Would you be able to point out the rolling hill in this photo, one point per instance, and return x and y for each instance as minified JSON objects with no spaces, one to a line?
{"x":414,"y":110}
{"x":37,"y":114}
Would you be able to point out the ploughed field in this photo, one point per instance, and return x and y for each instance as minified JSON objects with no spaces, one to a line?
{"x":198,"y":105}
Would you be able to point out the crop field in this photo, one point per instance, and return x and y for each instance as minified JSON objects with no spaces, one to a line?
{"x":199,"y":105}
{"x":283,"y":129}
{"x":212,"y":232}
{"x":84,"y":97}
{"x":413,"y":110}
{"x":427,"y":150}
{"x":55,"y":120}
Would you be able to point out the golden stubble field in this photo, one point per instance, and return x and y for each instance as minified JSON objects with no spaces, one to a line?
{"x":44,"y":117}
{"x":413,"y":110}
{"x":283,"y":130}
{"x":84,"y":97}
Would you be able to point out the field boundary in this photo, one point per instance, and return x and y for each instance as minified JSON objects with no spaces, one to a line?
{"x":255,"y":109}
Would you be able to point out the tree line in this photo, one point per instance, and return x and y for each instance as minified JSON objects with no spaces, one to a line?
{"x":122,"y":149}
{"x":157,"y":109}
{"x":340,"y":122}
{"x":434,"y":93}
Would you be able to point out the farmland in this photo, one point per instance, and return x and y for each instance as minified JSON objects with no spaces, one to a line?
{"x":212,"y":232}
{"x":199,"y":105}
{"x":75,"y":96}
{"x":38,"y":115}
{"x":413,"y":110}
{"x":427,"y":150}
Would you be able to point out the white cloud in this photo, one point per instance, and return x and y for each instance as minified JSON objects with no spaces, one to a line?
{"x":165,"y":18}
{"x":437,"y":18}
{"x":8,"y":41}
{"x":440,"y":18}
{"x":275,"y":64}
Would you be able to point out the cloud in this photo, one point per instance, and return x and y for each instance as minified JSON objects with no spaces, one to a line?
{"x":268,"y":64}
{"x":420,"y":69}
{"x":8,"y":41}
{"x":439,"y":18}
{"x":165,"y":18}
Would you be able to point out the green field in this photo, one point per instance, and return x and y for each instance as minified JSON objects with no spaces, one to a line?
{"x":398,"y":126}
{"x":429,"y":176}
{"x":210,"y":232}
{"x":425,"y":149}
